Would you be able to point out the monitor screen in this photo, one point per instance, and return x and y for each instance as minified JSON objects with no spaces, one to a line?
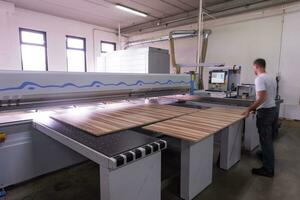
{"x":218,"y":77}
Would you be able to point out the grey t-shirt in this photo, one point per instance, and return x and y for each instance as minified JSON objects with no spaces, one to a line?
{"x":265,"y":82}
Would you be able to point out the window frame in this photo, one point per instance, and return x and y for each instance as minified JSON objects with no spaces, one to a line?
{"x":44,"y":33}
{"x":107,"y":42}
{"x":71,"y":48}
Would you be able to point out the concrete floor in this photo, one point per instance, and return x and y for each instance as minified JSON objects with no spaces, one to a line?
{"x":82,"y":182}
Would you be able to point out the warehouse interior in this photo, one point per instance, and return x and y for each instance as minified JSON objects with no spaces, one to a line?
{"x":149,"y":100}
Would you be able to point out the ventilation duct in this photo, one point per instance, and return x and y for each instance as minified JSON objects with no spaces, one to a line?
{"x":173,"y":35}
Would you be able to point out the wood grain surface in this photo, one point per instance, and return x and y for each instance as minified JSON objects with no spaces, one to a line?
{"x":182,"y":97}
{"x":198,"y":125}
{"x":104,"y":121}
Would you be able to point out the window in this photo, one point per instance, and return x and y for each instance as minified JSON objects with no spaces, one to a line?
{"x":33,"y":50}
{"x":76,"y":54}
{"x":107,"y":47}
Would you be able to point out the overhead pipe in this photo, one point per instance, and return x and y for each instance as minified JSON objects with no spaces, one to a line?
{"x":119,"y":37}
{"x":172,"y":46}
{"x":199,"y":51}
{"x":205,"y":34}
{"x":172,"y":54}
{"x":158,"y":39}
{"x":172,"y":37}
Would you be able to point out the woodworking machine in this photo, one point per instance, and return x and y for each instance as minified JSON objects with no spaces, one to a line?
{"x":35,"y":144}
{"x":36,"y":89}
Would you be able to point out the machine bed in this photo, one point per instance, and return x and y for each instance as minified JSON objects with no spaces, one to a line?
{"x":118,"y":148}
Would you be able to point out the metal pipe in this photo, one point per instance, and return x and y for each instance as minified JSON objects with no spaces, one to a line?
{"x":172,"y":54}
{"x":119,"y":37}
{"x":158,"y":39}
{"x":172,"y":46}
{"x":206,"y":33}
{"x":199,"y":52}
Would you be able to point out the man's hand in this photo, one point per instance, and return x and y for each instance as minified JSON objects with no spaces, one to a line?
{"x":261,"y":98}
{"x":247,"y":112}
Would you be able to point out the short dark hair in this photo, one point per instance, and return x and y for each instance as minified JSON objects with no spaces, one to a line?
{"x":260,"y":62}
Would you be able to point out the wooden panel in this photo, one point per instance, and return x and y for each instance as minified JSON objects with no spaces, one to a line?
{"x":106,"y":121}
{"x":182,"y":97}
{"x":237,"y":111}
{"x":198,"y":125}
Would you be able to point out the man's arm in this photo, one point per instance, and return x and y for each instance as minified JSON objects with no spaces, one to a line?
{"x":261,"y":98}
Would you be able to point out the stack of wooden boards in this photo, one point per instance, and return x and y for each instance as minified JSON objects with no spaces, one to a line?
{"x":180,"y":122}
{"x":198,"y":125}
{"x":105,"y":121}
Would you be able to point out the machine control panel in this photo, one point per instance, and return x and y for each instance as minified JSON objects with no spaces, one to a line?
{"x":217,"y":80}
{"x":224,"y":80}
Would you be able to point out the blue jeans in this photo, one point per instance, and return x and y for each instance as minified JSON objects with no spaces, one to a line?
{"x":264,"y":120}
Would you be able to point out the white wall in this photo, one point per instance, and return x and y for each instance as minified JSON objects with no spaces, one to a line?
{"x":290,"y":66}
{"x":57,"y":28}
{"x":237,"y":41}
{"x":241,"y":43}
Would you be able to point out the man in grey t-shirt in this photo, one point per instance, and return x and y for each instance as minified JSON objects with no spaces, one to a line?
{"x":266,"y":114}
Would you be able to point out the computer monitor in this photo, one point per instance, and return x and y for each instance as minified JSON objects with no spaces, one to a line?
{"x":218,"y":77}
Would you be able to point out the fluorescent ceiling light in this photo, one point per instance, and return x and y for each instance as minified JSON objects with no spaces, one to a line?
{"x":131,"y":10}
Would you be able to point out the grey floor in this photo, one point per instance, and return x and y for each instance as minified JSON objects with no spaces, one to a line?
{"x":81,"y":182}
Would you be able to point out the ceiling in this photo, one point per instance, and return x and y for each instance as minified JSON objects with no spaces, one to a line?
{"x":161,"y":12}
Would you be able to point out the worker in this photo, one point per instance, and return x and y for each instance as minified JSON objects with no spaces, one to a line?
{"x":265,"y":108}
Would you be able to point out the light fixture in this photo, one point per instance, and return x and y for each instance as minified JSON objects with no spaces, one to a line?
{"x":131,"y":10}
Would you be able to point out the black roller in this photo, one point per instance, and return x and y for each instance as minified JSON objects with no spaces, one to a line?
{"x":129,"y":156}
{"x":148,"y":150}
{"x":120,"y":160}
{"x":155,"y":147}
{"x":138,"y":153}
{"x":162,"y":144}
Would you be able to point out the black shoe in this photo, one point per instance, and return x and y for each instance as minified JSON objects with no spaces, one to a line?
{"x":259,"y":155}
{"x":263,"y":172}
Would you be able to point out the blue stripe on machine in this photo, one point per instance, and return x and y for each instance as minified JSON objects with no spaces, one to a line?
{"x":32,"y":85}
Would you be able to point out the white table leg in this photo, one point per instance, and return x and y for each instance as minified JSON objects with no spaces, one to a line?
{"x":231,"y":144}
{"x":140,"y":180}
{"x":251,"y":139}
{"x":196,"y":167}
